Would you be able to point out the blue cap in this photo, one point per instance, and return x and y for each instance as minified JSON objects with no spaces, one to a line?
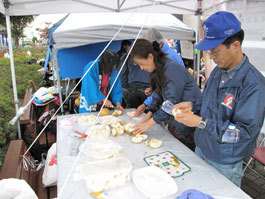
{"x":217,"y":28}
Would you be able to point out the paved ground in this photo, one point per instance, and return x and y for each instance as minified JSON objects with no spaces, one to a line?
{"x":252,"y":183}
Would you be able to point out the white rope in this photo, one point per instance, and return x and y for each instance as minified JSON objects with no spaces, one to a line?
{"x":27,"y":161}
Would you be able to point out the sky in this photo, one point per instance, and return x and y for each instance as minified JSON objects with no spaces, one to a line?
{"x":39,"y":22}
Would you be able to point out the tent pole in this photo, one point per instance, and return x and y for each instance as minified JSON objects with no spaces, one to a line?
{"x":58,"y":80}
{"x":199,"y":13}
{"x":12,"y":66}
{"x":198,"y":54}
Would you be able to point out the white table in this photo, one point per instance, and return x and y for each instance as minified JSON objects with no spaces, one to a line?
{"x":202,"y":176}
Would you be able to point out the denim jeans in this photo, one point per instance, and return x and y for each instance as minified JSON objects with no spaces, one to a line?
{"x":233,"y":172}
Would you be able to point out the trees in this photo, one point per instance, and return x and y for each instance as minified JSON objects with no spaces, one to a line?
{"x":18,"y":23}
{"x":44,"y":31}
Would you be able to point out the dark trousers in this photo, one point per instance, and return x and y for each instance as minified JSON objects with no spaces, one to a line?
{"x":134,"y":96}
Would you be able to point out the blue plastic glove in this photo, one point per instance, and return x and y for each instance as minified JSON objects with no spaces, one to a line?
{"x":193,"y":194}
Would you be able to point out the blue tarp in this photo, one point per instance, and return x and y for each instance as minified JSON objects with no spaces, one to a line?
{"x":73,"y":60}
{"x":51,"y":43}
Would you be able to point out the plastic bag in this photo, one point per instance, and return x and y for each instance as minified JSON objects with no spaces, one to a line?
{"x":49,"y":177}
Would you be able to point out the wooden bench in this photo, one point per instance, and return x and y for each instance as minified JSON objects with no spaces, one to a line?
{"x":13,"y":168}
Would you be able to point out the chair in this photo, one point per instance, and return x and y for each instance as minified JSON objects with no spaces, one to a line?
{"x":259,"y":155}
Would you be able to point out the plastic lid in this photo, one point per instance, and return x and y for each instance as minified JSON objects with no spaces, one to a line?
{"x":154,"y":182}
{"x":100,"y":147}
{"x":104,"y":174}
{"x":101,"y":168}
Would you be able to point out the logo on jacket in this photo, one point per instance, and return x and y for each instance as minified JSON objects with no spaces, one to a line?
{"x":83,"y":104}
{"x":228,"y":101}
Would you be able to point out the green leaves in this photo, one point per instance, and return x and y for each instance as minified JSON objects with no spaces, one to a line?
{"x":24,"y":73}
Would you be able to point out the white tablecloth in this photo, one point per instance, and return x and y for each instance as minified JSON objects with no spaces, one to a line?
{"x":202,"y":177}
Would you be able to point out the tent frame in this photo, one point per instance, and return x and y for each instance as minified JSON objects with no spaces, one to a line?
{"x":12,"y":66}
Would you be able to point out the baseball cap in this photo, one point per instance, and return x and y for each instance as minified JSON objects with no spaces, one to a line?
{"x":217,"y":28}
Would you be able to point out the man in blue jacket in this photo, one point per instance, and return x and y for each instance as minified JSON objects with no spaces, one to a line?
{"x":232,"y":108}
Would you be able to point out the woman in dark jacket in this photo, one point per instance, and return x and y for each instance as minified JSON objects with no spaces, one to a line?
{"x":172,"y":81}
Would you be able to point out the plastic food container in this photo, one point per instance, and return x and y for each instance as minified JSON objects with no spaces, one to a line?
{"x":98,"y":130}
{"x":154,"y":182}
{"x":109,"y":119}
{"x":105,"y":174}
{"x":100,"y":147}
{"x":87,"y":120}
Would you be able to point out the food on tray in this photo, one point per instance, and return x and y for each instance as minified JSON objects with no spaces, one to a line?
{"x":117,"y":113}
{"x":177,"y":111}
{"x":139,"y":138}
{"x":87,"y":120}
{"x":154,"y":143}
{"x":117,"y":125}
{"x":98,"y":130}
{"x":104,"y":112}
{"x":129,"y":127}
{"x":117,"y":129}
{"x":104,"y":174}
{"x":131,"y":113}
{"x":109,"y":119}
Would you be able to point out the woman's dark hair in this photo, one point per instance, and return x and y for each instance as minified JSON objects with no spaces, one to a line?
{"x":109,"y":61}
{"x":142,"y":49}
{"x":239,"y":36}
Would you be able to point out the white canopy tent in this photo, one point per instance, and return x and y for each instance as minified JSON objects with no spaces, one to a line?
{"x":74,"y":36}
{"x":31,"y":7}
{"x":87,"y":28}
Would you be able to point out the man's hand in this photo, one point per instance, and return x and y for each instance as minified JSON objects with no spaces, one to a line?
{"x":140,"y":109}
{"x":188,"y":119}
{"x":186,"y":106}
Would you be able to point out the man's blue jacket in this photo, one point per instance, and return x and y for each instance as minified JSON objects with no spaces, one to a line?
{"x":90,"y":93}
{"x":240,"y":101}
